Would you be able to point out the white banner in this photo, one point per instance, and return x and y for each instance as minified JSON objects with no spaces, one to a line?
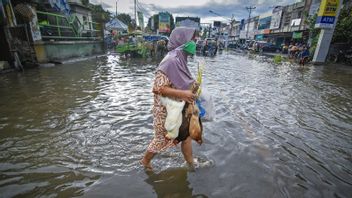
{"x":276,"y":20}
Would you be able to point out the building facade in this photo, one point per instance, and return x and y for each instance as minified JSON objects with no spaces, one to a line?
{"x":281,"y":25}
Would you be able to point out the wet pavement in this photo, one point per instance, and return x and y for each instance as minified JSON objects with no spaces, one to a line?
{"x":79,"y":129}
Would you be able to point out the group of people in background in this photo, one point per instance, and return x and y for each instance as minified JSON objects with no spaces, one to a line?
{"x":298,"y":51}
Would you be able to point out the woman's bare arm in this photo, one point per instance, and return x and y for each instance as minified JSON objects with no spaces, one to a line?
{"x":185,"y":95}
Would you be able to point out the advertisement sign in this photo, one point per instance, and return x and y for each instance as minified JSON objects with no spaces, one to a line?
{"x":164,"y":22}
{"x":295,"y":22}
{"x":297,"y":35}
{"x":264,"y":23}
{"x":140,"y":19}
{"x":259,"y":37}
{"x":276,"y":19}
{"x":327,"y":13}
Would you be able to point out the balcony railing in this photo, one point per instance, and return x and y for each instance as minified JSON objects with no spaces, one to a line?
{"x":61,"y":27}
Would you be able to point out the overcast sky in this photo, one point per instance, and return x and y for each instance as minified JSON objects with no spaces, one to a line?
{"x":194,"y":8}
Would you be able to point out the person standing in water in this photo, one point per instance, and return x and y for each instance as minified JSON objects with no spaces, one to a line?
{"x":172,"y":79}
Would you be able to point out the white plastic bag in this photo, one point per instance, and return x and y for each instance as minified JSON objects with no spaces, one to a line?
{"x":207,"y":103}
{"x":174,"y":116}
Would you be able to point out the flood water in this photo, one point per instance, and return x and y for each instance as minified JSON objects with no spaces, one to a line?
{"x":79,"y":129}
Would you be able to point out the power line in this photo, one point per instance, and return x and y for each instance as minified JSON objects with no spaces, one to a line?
{"x":250,"y":8}
{"x":143,"y":10}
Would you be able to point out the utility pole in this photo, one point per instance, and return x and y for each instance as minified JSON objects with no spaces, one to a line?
{"x":250,"y":8}
{"x":209,"y":31}
{"x":116,"y":8}
{"x":135,"y":11}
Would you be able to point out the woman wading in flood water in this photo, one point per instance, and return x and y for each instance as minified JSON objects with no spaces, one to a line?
{"x":174,"y":80}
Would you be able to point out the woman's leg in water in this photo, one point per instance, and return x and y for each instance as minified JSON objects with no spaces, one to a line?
{"x":186,"y":148}
{"x":148,"y":156}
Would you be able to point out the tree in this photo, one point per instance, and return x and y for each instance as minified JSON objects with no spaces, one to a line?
{"x":99,"y":14}
{"x":343,"y":30}
{"x":85,"y":2}
{"x":124,"y":18}
{"x":313,"y":32}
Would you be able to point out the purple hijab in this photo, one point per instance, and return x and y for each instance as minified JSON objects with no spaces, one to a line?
{"x":174,"y":65}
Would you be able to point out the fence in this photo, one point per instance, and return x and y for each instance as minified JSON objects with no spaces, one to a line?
{"x":61,"y":27}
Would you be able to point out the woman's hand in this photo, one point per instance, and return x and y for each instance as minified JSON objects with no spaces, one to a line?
{"x":187,"y":96}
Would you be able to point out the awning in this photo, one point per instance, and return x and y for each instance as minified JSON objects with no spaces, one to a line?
{"x":116,"y":24}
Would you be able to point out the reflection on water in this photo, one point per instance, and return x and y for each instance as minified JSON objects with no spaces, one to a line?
{"x":171,"y":183}
{"x":80,"y":129}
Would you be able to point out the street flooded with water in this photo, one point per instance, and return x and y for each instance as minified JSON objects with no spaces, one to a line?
{"x":79,"y":129}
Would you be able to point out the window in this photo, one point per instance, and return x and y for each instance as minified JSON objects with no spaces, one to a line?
{"x":299,"y":15}
{"x":85,"y":20}
{"x":287,"y":19}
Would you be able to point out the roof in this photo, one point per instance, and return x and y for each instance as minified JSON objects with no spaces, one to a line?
{"x":116,"y":24}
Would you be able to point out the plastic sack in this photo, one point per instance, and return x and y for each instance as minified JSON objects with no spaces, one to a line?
{"x":206,"y":104}
{"x":174,"y":116}
{"x":201,"y":109}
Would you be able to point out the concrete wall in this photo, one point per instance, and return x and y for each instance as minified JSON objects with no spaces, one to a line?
{"x":64,"y":50}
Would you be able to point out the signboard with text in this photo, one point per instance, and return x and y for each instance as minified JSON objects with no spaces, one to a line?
{"x":276,"y":19}
{"x":264,"y":23}
{"x":164,"y":22}
{"x":327,"y":13}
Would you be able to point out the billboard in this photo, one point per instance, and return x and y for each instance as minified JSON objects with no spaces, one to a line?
{"x":264,"y":23}
{"x":327,"y":13}
{"x":297,"y":35}
{"x":164,"y":22}
{"x":276,"y":18}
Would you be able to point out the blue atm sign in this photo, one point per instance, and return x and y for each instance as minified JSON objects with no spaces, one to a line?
{"x":327,"y":13}
{"x":326,"y":19}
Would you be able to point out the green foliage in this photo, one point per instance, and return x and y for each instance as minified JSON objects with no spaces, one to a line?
{"x":343,"y":29}
{"x":85,"y":2}
{"x":313,"y":32}
{"x":278,"y":59}
{"x":99,"y":14}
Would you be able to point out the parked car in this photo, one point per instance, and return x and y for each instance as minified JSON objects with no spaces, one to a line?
{"x":269,"y":47}
{"x":257,"y":45}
